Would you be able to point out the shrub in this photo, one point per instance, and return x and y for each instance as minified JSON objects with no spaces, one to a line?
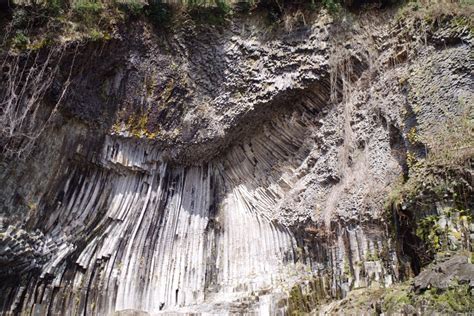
{"x":54,"y":7}
{"x":430,"y":232}
{"x":223,"y":7}
{"x":212,"y":14}
{"x":132,"y":7}
{"x":87,"y":11}
{"x":333,"y":6}
{"x":20,"y":40}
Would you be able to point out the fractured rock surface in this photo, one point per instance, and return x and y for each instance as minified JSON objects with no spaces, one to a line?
{"x":262,"y":166}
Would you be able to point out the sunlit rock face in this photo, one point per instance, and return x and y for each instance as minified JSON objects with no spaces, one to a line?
{"x":159,"y":238}
{"x":136,"y":233}
{"x":258,"y":178}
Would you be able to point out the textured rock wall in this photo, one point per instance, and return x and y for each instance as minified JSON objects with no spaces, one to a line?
{"x":219,"y":169}
{"x":154,"y":238}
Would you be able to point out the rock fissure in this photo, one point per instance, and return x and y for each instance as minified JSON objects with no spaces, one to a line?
{"x":230,"y":170}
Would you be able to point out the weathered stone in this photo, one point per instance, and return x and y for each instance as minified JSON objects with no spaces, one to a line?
{"x":442,"y":275}
{"x":215,"y":171}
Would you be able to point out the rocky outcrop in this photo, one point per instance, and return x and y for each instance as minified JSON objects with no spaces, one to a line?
{"x":225,"y":169}
{"x":444,"y":274}
{"x":434,"y":290}
{"x":22,"y":251}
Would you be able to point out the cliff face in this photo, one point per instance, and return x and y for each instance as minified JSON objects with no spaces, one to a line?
{"x":234,"y":168}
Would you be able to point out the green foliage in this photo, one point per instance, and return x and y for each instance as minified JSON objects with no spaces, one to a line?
{"x":372,"y":256}
{"x":429,"y":231}
{"x":85,"y":7}
{"x":277,"y":9}
{"x":91,"y":17}
{"x":303,"y":299}
{"x":40,"y":43}
{"x":401,"y":299}
{"x":223,"y":7}
{"x":333,"y":6}
{"x":394,"y":298}
{"x":133,"y":8}
{"x":54,"y":7}
{"x":87,"y":11}
{"x":209,"y":14}
{"x":395,"y":197}
{"x":97,"y":35}
{"x":20,"y":40}
{"x":454,"y":299}
{"x":444,"y":238}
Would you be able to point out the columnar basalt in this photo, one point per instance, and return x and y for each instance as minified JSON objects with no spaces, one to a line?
{"x":229,"y":169}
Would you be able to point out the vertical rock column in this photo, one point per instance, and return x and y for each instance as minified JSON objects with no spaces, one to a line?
{"x":136,"y":234}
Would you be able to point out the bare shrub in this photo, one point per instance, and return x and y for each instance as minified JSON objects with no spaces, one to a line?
{"x":293,"y":19}
{"x":26,"y":80}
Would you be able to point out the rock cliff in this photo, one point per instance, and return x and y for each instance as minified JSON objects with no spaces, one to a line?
{"x":233,"y":168}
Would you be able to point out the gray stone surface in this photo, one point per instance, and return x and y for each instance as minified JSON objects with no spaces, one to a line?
{"x":446,"y":274}
{"x":213,"y":169}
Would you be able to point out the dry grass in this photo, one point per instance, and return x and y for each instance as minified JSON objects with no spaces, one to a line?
{"x":431,"y":11}
{"x":451,"y":144}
